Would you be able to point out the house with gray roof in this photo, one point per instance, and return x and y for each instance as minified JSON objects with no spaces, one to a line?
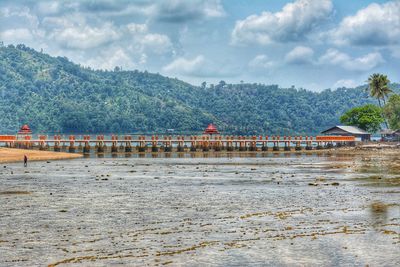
{"x":390,"y":135}
{"x":348,"y":131}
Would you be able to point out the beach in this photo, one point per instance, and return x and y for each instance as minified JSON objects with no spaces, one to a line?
{"x":324,"y":209}
{"x":17,"y":155}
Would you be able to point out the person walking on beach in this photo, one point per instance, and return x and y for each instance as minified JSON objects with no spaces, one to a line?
{"x":25,"y":161}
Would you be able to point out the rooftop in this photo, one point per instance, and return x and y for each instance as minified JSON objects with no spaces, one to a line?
{"x":349,"y":129}
{"x":25,"y":130}
{"x":211,"y":129}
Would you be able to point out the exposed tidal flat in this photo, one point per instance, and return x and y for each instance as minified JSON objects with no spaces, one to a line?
{"x":325,"y":209}
{"x":17,"y":155}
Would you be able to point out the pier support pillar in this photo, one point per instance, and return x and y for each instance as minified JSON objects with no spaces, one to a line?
{"x":86,"y":149}
{"x":114,"y":145}
{"x":100,"y":148}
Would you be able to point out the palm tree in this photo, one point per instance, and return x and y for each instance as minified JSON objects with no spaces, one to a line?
{"x":378,"y":85}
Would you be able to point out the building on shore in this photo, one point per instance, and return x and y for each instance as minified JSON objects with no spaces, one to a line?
{"x":211,"y":129}
{"x":390,"y":135}
{"x":348,"y":131}
{"x":24,"y":133}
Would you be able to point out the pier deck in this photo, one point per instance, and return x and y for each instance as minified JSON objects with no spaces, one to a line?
{"x":129,"y":143}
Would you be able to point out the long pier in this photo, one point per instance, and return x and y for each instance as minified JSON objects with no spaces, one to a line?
{"x":178,"y":143}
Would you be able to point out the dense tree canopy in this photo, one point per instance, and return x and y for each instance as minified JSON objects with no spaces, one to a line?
{"x":368,"y":118}
{"x":392,"y":111}
{"x":52,"y":94}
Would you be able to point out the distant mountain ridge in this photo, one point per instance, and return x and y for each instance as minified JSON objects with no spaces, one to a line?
{"x":52,"y":94}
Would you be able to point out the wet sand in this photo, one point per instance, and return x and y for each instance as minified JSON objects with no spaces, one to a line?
{"x":329,"y":209}
{"x":17,"y":155}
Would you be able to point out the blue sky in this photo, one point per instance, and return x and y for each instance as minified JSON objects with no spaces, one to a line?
{"x":314,"y":44}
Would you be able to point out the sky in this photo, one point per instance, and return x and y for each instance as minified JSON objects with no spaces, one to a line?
{"x":311,"y":44}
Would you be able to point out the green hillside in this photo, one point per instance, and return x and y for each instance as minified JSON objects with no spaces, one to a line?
{"x":52,"y":94}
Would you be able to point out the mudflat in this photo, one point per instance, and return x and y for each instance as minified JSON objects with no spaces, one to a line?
{"x":278,"y":209}
{"x":17,"y":155}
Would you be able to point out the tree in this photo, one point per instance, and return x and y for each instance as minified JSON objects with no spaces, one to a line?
{"x":392,"y":111}
{"x":368,"y":118}
{"x":378,"y":85}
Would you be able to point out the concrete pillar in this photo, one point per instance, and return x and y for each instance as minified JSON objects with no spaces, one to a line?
{"x":308,"y":143}
{"x":86,"y":148}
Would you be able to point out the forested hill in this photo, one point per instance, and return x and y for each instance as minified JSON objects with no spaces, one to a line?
{"x":52,"y":94}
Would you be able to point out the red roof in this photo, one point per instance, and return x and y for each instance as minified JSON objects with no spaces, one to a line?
{"x":211,"y":129}
{"x":25,"y":130}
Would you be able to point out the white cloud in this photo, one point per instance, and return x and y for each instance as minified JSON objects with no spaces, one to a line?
{"x":49,"y":8}
{"x":199,"y":66}
{"x":178,"y":11}
{"x":74,"y":32}
{"x":182,"y":10}
{"x":300,"y":55}
{"x":345,"y":83}
{"x":363,"y":63}
{"x":19,"y":35}
{"x":186,"y":66}
{"x":21,"y":26}
{"x":115,"y":56}
{"x":19,"y":15}
{"x":293,"y":23}
{"x":135,"y":28}
{"x":156,"y":43}
{"x":85,"y":37}
{"x":261,"y":62}
{"x":374,"y":25}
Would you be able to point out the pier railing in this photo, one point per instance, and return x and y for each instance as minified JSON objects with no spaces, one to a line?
{"x":178,"y":143}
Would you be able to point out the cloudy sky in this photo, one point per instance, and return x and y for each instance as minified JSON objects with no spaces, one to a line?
{"x":314,"y":44}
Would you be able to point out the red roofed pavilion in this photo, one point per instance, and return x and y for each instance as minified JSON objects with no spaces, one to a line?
{"x":211,"y":129}
{"x":24,"y":133}
{"x":25,"y":130}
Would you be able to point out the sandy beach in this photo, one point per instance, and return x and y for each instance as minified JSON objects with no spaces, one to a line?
{"x":16,"y":155}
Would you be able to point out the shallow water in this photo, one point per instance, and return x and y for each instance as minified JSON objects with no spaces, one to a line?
{"x":281,"y":210}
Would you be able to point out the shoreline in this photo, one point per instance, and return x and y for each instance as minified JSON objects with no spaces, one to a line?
{"x":12,"y":155}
